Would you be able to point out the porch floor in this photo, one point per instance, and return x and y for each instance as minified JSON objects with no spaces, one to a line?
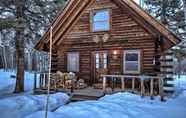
{"x":88,"y":93}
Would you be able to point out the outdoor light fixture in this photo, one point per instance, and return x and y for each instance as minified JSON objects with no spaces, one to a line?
{"x":115,"y":52}
{"x":115,"y":56}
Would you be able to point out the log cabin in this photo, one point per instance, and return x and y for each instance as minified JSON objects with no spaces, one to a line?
{"x":107,"y":37}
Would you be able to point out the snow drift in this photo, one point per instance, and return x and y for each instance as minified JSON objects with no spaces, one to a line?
{"x":21,"y":106}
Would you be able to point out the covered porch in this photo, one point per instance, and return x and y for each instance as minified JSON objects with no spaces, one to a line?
{"x":143,"y":85}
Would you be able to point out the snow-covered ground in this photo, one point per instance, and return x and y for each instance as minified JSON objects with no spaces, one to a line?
{"x":21,"y":105}
{"x":120,"y":105}
{"x":124,"y":105}
{"x":181,"y":82}
{"x":7,"y":84}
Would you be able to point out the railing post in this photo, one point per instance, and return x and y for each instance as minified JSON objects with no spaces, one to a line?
{"x":152,"y":88}
{"x":133,"y":84}
{"x":35,"y":81}
{"x":123,"y":83}
{"x":142,"y":88}
{"x":41,"y":76}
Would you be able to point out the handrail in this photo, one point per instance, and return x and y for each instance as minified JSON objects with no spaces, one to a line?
{"x":133,"y":76}
{"x":142,"y":79}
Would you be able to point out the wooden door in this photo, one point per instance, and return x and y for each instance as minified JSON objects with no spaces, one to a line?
{"x":100,"y":65}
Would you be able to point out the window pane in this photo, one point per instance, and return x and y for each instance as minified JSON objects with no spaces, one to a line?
{"x":132,"y":57}
{"x":105,"y":55}
{"x":105,"y":65}
{"x":97,"y":66}
{"x":101,"y":26}
{"x":73,"y":62}
{"x":105,"y":60}
{"x":101,"y":20}
{"x":97,"y":56}
{"x":102,"y":15}
{"x":131,"y":66}
{"x":97,"y":60}
{"x":131,"y":61}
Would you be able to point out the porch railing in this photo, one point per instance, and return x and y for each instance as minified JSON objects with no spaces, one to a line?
{"x":141,"y":78}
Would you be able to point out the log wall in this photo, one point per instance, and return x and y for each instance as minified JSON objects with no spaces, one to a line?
{"x":125,"y":34}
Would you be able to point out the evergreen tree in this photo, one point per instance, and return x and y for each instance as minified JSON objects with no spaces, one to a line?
{"x":25,"y":21}
{"x":170,"y":13}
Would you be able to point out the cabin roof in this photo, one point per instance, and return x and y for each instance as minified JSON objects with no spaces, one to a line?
{"x":73,"y":10}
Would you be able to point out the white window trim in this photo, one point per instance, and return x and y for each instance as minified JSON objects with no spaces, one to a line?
{"x":92,"y":20}
{"x":139,"y":61}
{"x":77,"y":60}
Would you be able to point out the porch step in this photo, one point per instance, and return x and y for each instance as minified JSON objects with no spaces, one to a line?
{"x":83,"y":97}
{"x":43,"y":91}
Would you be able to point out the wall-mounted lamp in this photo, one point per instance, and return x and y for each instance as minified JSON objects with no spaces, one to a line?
{"x":115,"y":52}
{"x":115,"y":56}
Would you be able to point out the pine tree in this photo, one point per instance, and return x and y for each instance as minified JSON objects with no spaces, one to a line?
{"x":20,"y":28}
{"x":25,"y":21}
{"x":170,"y":13}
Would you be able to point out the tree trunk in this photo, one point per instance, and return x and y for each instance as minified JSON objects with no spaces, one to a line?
{"x":4,"y":56}
{"x":20,"y":45}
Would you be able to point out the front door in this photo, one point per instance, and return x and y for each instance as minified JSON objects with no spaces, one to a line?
{"x":100,"y":65}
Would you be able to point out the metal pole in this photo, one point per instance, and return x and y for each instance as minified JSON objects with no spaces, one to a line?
{"x":50,"y":61}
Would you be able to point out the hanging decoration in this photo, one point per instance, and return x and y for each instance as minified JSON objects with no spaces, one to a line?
{"x":105,"y":37}
{"x":96,"y":39}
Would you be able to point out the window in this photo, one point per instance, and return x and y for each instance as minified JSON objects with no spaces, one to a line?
{"x":131,"y":61}
{"x":73,"y":62}
{"x":97,"y":60}
{"x":140,"y":2}
{"x":105,"y":60}
{"x":100,"y":20}
{"x":101,"y":60}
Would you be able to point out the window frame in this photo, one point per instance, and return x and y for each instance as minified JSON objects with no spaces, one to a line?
{"x":139,"y":61}
{"x":92,"y":20}
{"x":68,"y":66}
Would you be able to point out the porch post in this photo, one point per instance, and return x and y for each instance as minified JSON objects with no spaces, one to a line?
{"x":104,"y":83}
{"x":161,"y":88}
